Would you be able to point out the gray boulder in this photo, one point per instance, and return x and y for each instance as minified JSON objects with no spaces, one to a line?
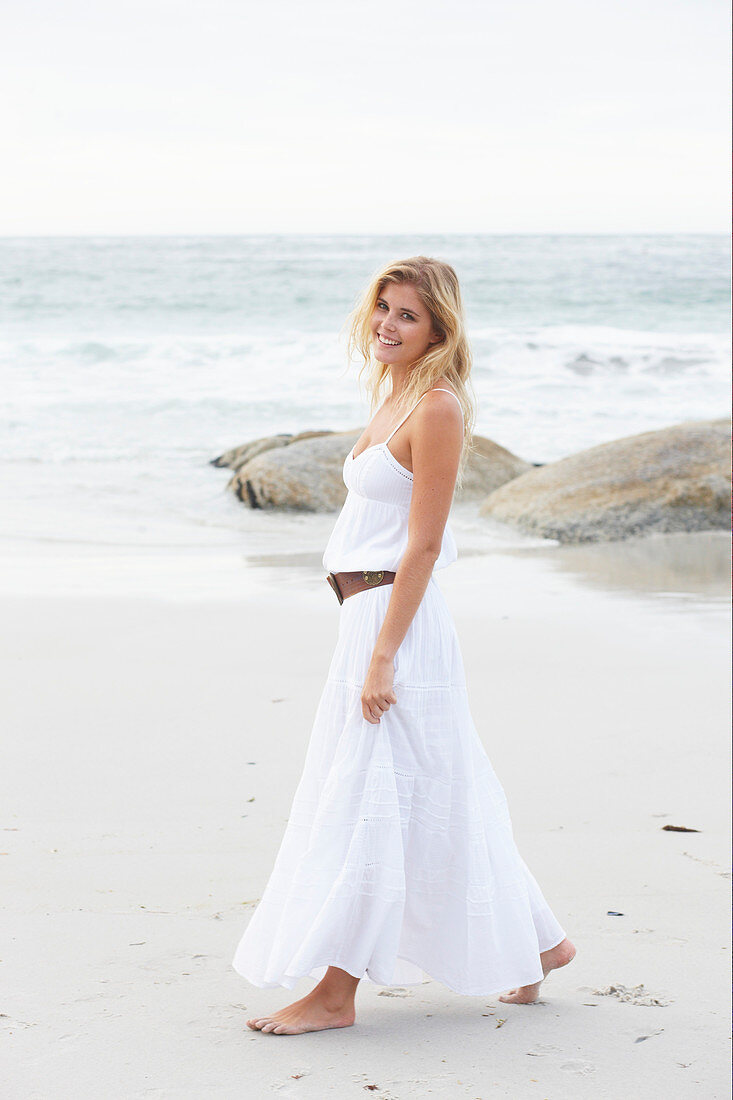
{"x":672,"y":480}
{"x":304,"y":471}
{"x":489,"y":465}
{"x":237,"y":457}
{"x":305,"y":474}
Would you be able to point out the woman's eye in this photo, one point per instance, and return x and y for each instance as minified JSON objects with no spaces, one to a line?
{"x":407,"y":316}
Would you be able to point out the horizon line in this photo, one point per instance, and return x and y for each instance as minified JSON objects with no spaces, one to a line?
{"x":381,"y":234}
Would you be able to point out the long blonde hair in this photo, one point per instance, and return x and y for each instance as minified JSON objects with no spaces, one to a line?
{"x":437,"y":286}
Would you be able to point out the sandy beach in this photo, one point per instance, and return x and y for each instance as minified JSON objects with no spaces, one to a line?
{"x":154,"y":737}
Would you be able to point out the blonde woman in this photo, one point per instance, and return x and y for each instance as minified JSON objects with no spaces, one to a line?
{"x":398,"y":858}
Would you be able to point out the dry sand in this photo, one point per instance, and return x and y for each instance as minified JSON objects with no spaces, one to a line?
{"x":152,"y":747}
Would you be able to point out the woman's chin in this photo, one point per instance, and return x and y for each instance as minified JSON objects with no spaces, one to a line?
{"x":384,"y":355}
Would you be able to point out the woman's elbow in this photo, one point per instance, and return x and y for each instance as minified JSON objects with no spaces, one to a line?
{"x":424,"y":548}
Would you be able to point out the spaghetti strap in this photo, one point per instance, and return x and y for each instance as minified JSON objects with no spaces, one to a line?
{"x":437,"y":389}
{"x":404,"y":418}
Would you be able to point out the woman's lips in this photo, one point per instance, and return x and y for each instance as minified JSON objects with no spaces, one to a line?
{"x":387,"y":342}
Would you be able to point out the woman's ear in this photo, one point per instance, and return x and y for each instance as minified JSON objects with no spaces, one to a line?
{"x":437,"y":338}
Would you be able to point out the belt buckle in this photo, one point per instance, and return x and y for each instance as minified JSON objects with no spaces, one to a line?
{"x":331,"y":578}
{"x":372,"y":577}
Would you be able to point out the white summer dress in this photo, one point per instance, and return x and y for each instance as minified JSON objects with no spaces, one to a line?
{"x":398,"y":860}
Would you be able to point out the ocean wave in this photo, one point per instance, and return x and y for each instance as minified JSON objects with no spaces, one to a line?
{"x":126,"y":364}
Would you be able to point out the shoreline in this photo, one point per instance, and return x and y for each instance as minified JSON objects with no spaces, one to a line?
{"x":686,"y":566}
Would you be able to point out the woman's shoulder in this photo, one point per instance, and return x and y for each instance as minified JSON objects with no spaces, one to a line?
{"x":438,"y":390}
{"x":439,"y":409}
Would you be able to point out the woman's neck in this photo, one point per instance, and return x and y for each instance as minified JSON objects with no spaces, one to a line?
{"x":398,"y":378}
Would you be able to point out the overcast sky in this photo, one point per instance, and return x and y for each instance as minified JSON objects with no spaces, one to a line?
{"x":226,"y":116}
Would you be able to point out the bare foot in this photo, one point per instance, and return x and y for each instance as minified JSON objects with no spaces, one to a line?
{"x":551,"y":960}
{"x":310,"y":1013}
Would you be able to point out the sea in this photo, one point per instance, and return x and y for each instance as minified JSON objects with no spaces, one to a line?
{"x":128,"y":363}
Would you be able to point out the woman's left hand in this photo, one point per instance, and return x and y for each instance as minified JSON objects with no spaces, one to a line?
{"x":377,"y":694}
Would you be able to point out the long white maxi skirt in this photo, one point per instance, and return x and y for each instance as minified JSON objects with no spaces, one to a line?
{"x":398,"y":860}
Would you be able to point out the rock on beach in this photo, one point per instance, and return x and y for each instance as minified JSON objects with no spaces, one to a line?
{"x":304,"y":471}
{"x":238,"y":456}
{"x":672,"y":480}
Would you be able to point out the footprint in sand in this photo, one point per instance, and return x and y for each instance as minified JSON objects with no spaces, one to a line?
{"x":10,"y":1023}
{"x":635,"y":995}
{"x":576,"y":1065}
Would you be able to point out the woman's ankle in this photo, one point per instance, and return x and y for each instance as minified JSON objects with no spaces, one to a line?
{"x":334,"y":1002}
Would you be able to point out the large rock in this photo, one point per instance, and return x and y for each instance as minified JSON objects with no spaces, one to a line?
{"x":304,"y":475}
{"x":488,"y":467}
{"x":304,"y":471}
{"x":237,"y":457}
{"x":676,"y":479}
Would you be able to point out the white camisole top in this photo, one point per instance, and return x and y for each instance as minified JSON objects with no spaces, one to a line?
{"x":371,"y":529}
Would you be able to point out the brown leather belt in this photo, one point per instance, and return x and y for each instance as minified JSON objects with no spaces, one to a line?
{"x":348,"y":584}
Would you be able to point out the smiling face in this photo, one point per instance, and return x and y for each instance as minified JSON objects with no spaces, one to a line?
{"x":402,"y":328}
